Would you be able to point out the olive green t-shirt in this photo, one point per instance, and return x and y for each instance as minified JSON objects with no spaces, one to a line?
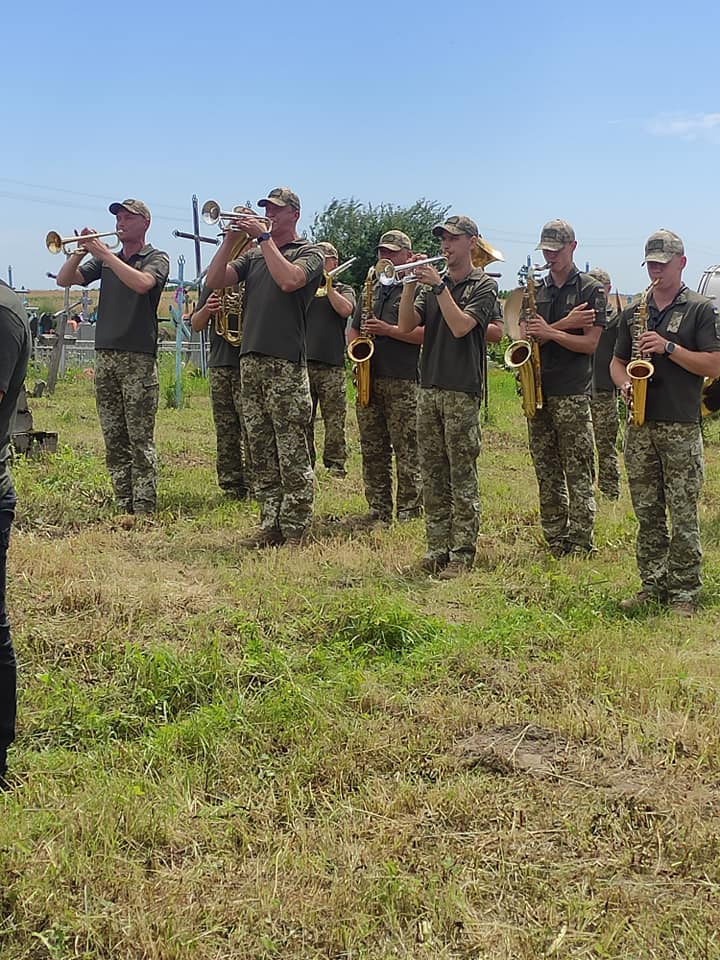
{"x":127,"y":320}
{"x":15,"y":343}
{"x":326,"y":329}
{"x":601,"y":380}
{"x":222,"y":353}
{"x":692,"y":321}
{"x":392,"y":358}
{"x":447,"y":361}
{"x":274,"y":322}
{"x":566,"y":373}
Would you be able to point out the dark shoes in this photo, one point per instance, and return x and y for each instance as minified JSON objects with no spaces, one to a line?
{"x":456,"y":568}
{"x":641,"y":599}
{"x":272,"y":537}
{"x":264,"y":537}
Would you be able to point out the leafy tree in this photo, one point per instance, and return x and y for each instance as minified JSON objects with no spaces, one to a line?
{"x":355,"y":228}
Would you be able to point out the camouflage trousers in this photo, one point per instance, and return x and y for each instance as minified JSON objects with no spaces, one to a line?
{"x":276,"y":407}
{"x":664,"y":463}
{"x":449,"y":443}
{"x":561,"y":446}
{"x":126,"y":397}
{"x":328,"y":391}
{"x":389,"y":425}
{"x":233,"y":468}
{"x":605,"y":421}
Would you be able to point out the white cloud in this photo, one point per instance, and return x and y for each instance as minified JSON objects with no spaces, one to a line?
{"x":693,"y":126}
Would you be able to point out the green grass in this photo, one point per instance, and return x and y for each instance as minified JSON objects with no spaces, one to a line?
{"x":227,"y":754}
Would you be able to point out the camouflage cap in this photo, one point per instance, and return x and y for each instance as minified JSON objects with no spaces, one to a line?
{"x":281,"y":197}
{"x":662,"y":246}
{"x":555,"y":235}
{"x":132,"y":206}
{"x":456,"y":226}
{"x":328,"y":249}
{"x":395,"y":240}
{"x":601,"y":275}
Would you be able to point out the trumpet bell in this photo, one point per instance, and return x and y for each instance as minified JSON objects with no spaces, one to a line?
{"x":53,"y":241}
{"x":210,"y":212}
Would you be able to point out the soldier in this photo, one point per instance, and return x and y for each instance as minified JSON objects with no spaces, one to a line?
{"x":15,"y":344}
{"x":568,"y":328}
{"x":455,"y":312}
{"x":328,"y":315}
{"x":603,"y":404}
{"x":388,"y":424}
{"x":126,"y":380}
{"x":281,"y":274}
{"x":233,"y":466}
{"x":664,"y":456}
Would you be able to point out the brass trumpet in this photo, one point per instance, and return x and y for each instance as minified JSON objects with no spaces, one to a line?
{"x":55,"y":243}
{"x":388,"y":273}
{"x":227,"y":220}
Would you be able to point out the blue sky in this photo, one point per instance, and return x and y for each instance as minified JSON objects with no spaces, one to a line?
{"x":606,"y":115}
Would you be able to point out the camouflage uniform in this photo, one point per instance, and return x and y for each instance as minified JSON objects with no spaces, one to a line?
{"x":233,"y":470}
{"x":449,"y":438}
{"x":276,"y":406}
{"x":387,"y":425}
{"x":664,"y":456}
{"x":126,"y":381}
{"x":561,"y":446}
{"x":328,"y":391}
{"x":605,"y":423}
{"x":603,"y":403}
{"x":126,"y":397}
{"x":664,"y":463}
{"x":451,"y":388}
{"x":560,"y":434}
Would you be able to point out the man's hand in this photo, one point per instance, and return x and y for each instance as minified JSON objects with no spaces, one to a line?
{"x":651,"y":342}
{"x":96,"y":248}
{"x":581,"y":317}
{"x":213,"y":303}
{"x":536,"y":327}
{"x":252,"y":225}
{"x":428,"y":274}
{"x":376,"y":328}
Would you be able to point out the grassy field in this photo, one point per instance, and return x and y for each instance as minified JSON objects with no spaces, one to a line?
{"x":311,"y":753}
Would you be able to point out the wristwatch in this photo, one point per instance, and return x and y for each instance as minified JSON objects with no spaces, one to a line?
{"x":670,"y":347}
{"x":438,"y":288}
{"x":263,"y":236}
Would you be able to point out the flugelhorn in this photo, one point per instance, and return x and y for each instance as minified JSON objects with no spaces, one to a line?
{"x":327,"y":280}
{"x":227,"y":219}
{"x":56,"y":244}
{"x":388,"y":273}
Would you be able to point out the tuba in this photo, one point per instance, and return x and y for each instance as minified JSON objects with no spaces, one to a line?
{"x":361,"y":349}
{"x":640,"y":370}
{"x":523,"y":356}
{"x":232,"y":297}
{"x":483,"y":254}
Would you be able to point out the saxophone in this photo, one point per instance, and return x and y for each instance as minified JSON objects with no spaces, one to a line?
{"x":232,"y":297}
{"x":361,"y":349}
{"x":640,"y":369}
{"x":523,"y":356}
